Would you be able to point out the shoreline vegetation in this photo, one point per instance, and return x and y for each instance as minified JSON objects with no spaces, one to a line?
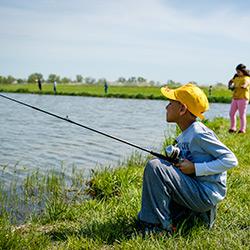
{"x":217,"y":94}
{"x":100,"y":212}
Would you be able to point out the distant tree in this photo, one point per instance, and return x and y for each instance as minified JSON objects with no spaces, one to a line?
{"x":141,"y":79}
{"x":65,"y":80}
{"x":7,"y":80}
{"x":34,"y":77}
{"x":220,"y":84}
{"x":20,"y":81}
{"x":132,"y":79}
{"x":3,"y":80}
{"x":53,"y":77}
{"x":172,"y":83}
{"x":79,"y":78}
{"x":10,"y":79}
{"x":121,"y":79}
{"x":89,"y":80}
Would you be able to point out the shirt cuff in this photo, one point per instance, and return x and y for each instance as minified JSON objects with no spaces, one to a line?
{"x":200,"y":169}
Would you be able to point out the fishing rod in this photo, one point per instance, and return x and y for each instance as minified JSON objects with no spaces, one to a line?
{"x":91,"y":129}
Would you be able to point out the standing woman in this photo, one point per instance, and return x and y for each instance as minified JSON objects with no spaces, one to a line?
{"x":239,"y":84}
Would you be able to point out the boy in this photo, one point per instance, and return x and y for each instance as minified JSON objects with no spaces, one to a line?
{"x":197,"y":182}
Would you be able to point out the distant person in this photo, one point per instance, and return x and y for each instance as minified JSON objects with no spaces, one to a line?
{"x":39,"y":84}
{"x":210,"y":90}
{"x":239,"y":84}
{"x":54,"y":87}
{"x":105,"y":87}
{"x":197,"y":182}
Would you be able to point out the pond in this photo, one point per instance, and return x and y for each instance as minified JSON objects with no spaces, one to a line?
{"x":35,"y":140}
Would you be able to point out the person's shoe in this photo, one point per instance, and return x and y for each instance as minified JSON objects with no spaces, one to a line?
{"x":158,"y":231}
{"x":231,"y":131}
{"x":148,"y":229}
{"x":241,"y":132}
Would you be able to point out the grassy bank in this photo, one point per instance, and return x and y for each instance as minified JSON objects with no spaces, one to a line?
{"x":106,"y":220}
{"x":218,"y":94}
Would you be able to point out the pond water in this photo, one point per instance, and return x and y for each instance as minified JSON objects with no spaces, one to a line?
{"x":35,"y":140}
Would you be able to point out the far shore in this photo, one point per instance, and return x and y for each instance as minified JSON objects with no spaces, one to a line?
{"x":218,"y":94}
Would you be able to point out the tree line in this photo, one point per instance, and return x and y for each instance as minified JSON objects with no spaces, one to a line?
{"x":33,"y":78}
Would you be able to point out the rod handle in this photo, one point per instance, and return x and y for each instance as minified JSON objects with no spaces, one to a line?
{"x":163,"y":157}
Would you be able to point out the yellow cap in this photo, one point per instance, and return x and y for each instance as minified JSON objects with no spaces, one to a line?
{"x":190,"y":95}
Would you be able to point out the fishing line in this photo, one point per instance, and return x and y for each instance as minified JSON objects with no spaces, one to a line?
{"x":91,"y":129}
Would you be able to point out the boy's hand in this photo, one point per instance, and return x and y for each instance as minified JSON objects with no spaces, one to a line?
{"x":186,"y":166}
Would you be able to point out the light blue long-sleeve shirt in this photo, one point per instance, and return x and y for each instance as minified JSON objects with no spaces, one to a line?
{"x":211,"y":158}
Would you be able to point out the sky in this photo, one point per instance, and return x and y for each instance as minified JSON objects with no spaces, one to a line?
{"x":160,"y":40}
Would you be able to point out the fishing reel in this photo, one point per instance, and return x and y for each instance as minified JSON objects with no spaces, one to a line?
{"x":173,"y":153}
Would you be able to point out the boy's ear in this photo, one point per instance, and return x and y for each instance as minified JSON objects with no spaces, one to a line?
{"x":183,"y":109}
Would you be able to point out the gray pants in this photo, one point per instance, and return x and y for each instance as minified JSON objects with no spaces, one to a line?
{"x":164,"y":184}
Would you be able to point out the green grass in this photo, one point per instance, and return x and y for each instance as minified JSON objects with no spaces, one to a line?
{"x":219,"y":94}
{"x":105,"y":219}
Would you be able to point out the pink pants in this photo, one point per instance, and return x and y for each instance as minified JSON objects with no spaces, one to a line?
{"x":241,"y":105}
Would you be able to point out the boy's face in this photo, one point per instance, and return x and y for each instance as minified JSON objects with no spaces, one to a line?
{"x":173,"y":110}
